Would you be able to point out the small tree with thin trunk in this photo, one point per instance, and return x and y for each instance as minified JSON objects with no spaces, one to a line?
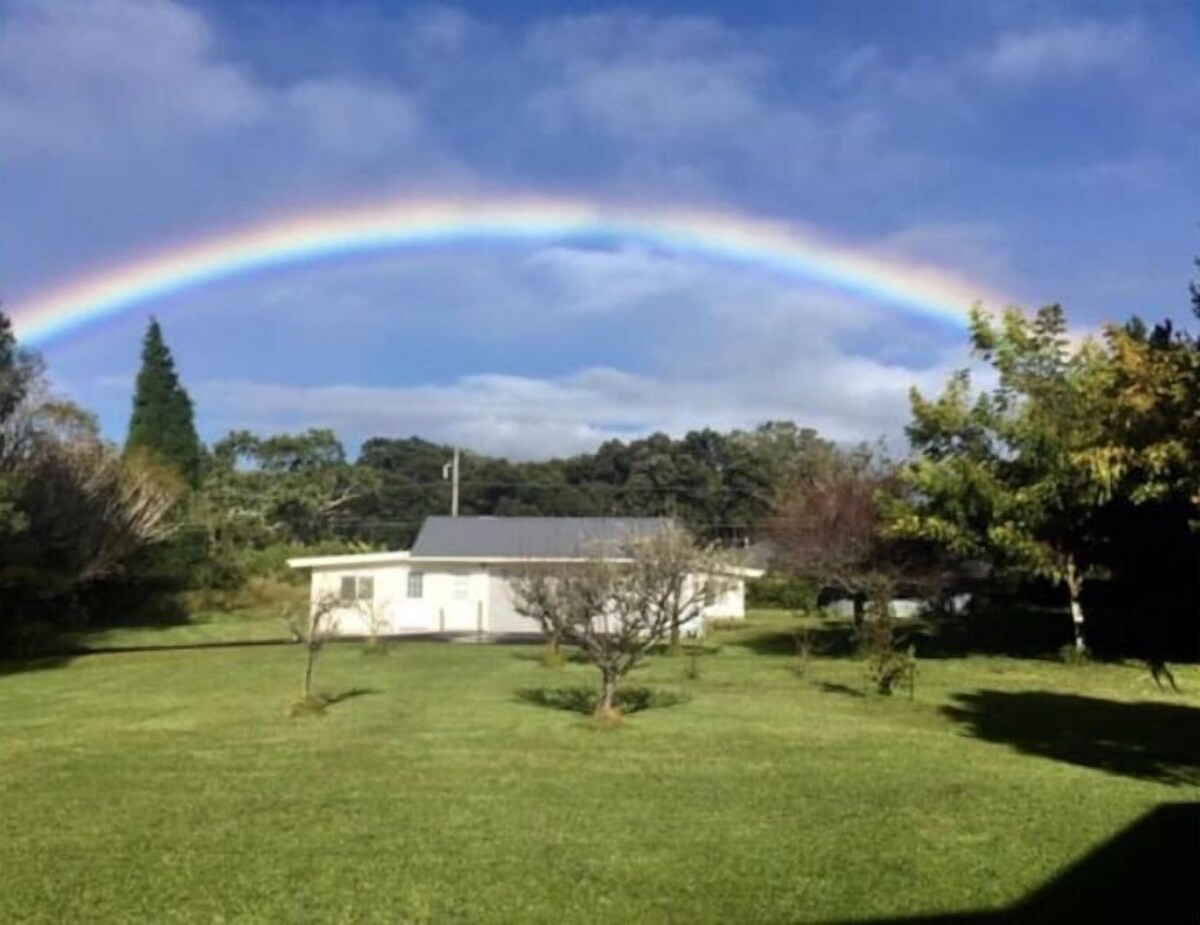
{"x":314,"y":628}
{"x":617,"y":609}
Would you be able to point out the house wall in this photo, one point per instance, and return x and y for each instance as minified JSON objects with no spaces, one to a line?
{"x":452,"y":598}
{"x":731,"y":605}
{"x":456,"y":597}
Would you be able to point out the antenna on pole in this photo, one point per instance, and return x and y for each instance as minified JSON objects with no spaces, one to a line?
{"x":450,"y":471}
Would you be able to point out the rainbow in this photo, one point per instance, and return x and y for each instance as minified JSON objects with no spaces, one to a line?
{"x":763,"y":245}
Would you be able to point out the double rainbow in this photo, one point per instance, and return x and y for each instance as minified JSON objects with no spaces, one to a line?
{"x":765,"y":246}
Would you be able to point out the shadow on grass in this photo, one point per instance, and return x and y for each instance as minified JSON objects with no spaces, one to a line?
{"x":828,"y":687}
{"x":331,"y":699}
{"x":569,"y":656}
{"x":1147,"y":740}
{"x":1030,"y":634}
{"x":584,"y":699}
{"x":317,"y":704}
{"x":1146,"y":873}
{"x":41,"y":663}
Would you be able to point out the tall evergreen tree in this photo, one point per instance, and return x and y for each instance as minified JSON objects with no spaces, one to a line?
{"x":162,"y":422}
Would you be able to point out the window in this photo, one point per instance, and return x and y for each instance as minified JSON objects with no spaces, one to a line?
{"x":357,"y":588}
{"x":462,"y":587}
{"x":416,"y":584}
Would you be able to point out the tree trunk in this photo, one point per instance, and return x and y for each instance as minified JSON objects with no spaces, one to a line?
{"x":674,"y":636}
{"x":608,"y":693}
{"x":1074,"y":590}
{"x":308,"y":672}
{"x":860,"y":610}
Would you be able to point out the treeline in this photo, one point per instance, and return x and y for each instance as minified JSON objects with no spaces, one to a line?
{"x":1075,"y":473}
{"x":719,"y":484}
{"x":262,"y":498}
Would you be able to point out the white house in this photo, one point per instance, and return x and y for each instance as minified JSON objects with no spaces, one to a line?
{"x":455,"y":579}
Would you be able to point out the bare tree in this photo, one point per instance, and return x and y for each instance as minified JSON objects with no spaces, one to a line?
{"x":682,"y":578}
{"x":617,"y":609}
{"x":313,"y":628}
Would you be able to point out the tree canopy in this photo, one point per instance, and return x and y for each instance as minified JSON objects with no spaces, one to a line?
{"x":162,"y":423}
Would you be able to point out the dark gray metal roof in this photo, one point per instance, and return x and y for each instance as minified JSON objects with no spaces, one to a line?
{"x":530,"y":537}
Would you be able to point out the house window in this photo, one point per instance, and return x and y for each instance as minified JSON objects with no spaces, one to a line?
{"x":416,"y":584}
{"x":357,"y":588}
{"x":462,"y":587}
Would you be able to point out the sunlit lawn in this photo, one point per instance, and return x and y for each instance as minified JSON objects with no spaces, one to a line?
{"x":173,"y":786}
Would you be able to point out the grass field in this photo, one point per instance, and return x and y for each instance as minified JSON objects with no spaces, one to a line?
{"x":173,"y":786}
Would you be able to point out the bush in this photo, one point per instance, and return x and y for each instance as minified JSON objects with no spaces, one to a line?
{"x":770,"y":593}
{"x":260,"y":593}
{"x":888,"y":667}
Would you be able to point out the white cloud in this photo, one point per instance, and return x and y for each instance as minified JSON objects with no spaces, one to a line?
{"x":102,"y":78}
{"x":1066,"y":50}
{"x":846,"y":398}
{"x":81,"y":75}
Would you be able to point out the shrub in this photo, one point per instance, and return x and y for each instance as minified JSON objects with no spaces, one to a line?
{"x":770,"y":593}
{"x":887,"y":666}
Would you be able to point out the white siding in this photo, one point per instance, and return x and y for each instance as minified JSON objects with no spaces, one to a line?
{"x":462,"y":598}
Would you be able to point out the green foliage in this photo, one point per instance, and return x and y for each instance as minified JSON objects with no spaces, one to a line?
{"x":780,"y":593}
{"x":719,"y":484}
{"x":1003,"y":475}
{"x":889,"y":663}
{"x":162,"y":422}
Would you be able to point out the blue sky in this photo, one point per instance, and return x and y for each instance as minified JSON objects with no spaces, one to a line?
{"x":1046,"y":150}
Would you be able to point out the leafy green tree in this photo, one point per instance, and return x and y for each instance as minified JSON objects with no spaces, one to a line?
{"x":1004,"y":474}
{"x":162,"y":423}
{"x":284,"y":488}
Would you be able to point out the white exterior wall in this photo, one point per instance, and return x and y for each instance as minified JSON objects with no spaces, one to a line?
{"x":453,"y":598}
{"x":456,"y":597}
{"x":731,"y":605}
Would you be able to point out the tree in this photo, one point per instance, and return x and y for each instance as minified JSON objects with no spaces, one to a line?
{"x":681,"y":577}
{"x":1006,"y":475}
{"x":314,"y":629}
{"x":618,"y":608}
{"x":86,"y":511}
{"x":828,"y":527}
{"x":283,"y":488}
{"x":162,"y":422}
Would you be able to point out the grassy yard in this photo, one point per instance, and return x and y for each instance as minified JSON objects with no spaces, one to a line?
{"x":173,"y":786}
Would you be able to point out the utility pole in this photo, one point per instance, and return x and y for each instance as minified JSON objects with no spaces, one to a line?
{"x":450,"y":470}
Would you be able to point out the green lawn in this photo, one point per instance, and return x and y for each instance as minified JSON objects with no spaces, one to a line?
{"x":168,"y":786}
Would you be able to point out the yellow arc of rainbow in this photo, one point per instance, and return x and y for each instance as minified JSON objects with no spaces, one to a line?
{"x":764,"y":245}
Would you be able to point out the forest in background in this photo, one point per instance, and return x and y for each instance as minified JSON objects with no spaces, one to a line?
{"x":1075,"y":479}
